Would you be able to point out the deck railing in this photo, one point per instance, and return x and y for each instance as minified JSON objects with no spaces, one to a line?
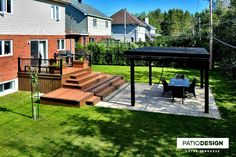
{"x":69,"y":58}
{"x":51,"y":66}
{"x":42,"y":66}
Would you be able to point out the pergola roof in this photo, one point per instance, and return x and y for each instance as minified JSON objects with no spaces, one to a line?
{"x":173,"y":53}
{"x":182,"y":54}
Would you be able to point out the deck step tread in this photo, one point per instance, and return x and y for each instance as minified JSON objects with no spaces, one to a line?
{"x":80,"y":74}
{"x":93,"y":81}
{"x":66,"y":96}
{"x":93,"y":100}
{"x":105,"y":92}
{"x":74,"y":71}
{"x":106,"y":84}
{"x":118,"y":83}
{"x":99,"y":83}
{"x":83,"y":78}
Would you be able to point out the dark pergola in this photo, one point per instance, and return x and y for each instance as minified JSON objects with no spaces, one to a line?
{"x":170,"y":54}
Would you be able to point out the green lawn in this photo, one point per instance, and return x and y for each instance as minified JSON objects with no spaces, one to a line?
{"x":92,"y":131}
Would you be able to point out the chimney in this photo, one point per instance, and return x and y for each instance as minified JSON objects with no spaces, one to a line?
{"x":80,"y":1}
{"x":146,"y":20}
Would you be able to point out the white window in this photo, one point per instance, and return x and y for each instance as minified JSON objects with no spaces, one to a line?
{"x":55,"y":12}
{"x":106,"y":24}
{"x":5,"y":6}
{"x":4,"y":87}
{"x":6,"y":48}
{"x":61,"y":44}
{"x":1,"y":88}
{"x":94,"y":22}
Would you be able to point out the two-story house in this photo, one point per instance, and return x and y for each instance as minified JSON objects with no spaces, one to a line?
{"x":29,"y":29}
{"x":127,"y":27}
{"x":86,"y":24}
{"x":150,"y":30}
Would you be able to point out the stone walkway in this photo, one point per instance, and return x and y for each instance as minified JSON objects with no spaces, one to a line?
{"x":150,"y":99}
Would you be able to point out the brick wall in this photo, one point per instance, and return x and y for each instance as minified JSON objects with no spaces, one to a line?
{"x":96,"y":39}
{"x":21,"y":48}
{"x":72,"y":42}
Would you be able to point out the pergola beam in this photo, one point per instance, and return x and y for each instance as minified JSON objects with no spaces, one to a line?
{"x":150,"y":72}
{"x":206,"y":87}
{"x":132,"y":82}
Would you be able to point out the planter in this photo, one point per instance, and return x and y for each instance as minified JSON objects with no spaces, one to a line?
{"x":83,"y":64}
{"x":53,"y":69}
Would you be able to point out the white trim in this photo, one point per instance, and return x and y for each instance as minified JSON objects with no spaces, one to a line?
{"x":54,"y":11}
{"x":38,"y":40}
{"x":60,"y":44}
{"x":96,"y":22}
{"x":3,"y":51}
{"x":5,"y":12}
{"x":9,"y":91}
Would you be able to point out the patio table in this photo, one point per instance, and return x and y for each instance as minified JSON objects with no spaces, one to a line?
{"x":178,"y":88}
{"x":178,"y":82}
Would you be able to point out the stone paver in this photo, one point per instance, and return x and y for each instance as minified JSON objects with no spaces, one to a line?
{"x":150,"y":99}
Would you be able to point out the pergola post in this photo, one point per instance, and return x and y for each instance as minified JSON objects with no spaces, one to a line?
{"x":150,"y":72}
{"x":132,"y":82}
{"x":206,"y":87}
{"x":201,"y":77}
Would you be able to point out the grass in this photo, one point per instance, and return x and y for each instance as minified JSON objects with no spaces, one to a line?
{"x":93,"y":131}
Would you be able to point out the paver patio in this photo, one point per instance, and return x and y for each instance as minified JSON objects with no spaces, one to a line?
{"x":150,"y":99}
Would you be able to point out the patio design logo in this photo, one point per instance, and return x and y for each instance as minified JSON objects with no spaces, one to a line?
{"x":203,"y":143}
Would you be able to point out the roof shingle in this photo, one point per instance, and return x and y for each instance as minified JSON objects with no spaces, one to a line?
{"x":88,"y":10}
{"x":118,"y":18}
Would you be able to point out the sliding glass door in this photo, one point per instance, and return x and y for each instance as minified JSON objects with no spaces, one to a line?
{"x":39,"y":48}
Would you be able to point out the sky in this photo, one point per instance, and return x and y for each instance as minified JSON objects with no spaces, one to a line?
{"x":109,"y":7}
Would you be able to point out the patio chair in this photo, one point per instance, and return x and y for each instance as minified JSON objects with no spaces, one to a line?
{"x":179,"y":76}
{"x":166,"y":88}
{"x":178,"y":92}
{"x":191,"y":88}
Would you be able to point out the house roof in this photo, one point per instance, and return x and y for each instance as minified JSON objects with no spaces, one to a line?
{"x":118,"y":18}
{"x":61,"y":1}
{"x":88,"y":10}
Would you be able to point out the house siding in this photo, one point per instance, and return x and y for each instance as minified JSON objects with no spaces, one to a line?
{"x":32,"y":17}
{"x":76,"y":21}
{"x":30,"y":20}
{"x":21,"y":48}
{"x":132,"y":32}
{"x":100,"y":29}
{"x":140,"y":31}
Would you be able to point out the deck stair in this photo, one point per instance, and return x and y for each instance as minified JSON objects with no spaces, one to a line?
{"x":83,"y":87}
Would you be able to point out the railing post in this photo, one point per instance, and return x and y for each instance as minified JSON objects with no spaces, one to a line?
{"x":90,"y":60}
{"x":19,"y":68}
{"x":54,"y":56}
{"x":40,"y":61}
{"x":60,"y":66}
{"x":72,"y":60}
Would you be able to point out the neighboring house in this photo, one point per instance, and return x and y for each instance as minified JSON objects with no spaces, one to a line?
{"x":29,"y":29}
{"x":127,"y":27}
{"x":150,"y":30}
{"x":86,"y":24}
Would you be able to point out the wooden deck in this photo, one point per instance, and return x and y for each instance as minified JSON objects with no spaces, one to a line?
{"x":66,"y":96}
{"x":82,"y":86}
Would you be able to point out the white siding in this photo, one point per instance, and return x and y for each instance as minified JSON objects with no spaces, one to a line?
{"x":140,"y":33}
{"x":32,"y":17}
{"x":100,"y":29}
